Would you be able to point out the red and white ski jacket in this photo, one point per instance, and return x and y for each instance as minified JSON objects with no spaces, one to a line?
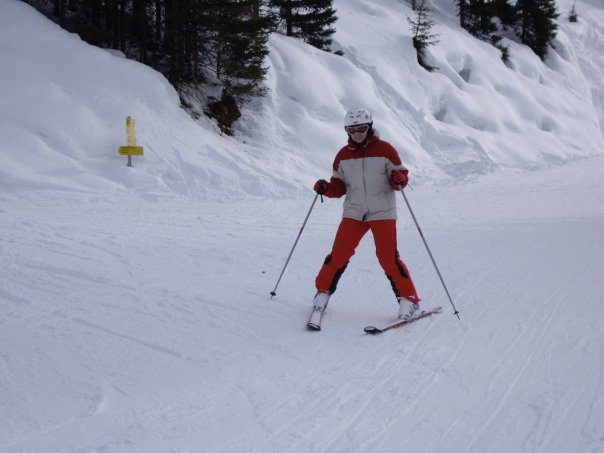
{"x":363,"y":175}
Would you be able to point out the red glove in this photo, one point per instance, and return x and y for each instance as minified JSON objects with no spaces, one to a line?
{"x":399,"y":177}
{"x":321,"y":186}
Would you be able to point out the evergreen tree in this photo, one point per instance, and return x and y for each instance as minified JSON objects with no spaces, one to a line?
{"x":486,"y":19}
{"x":176,"y":58}
{"x":421,"y":26}
{"x":462,"y":8}
{"x":141,"y":30}
{"x":506,"y":12}
{"x":537,"y":26}
{"x":572,"y":14}
{"x":236,"y":44}
{"x":99,"y":23}
{"x":310,"y":20}
{"x":480,"y":15}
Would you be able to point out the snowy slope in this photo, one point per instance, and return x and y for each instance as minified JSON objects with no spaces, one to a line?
{"x":147,"y":327}
{"x":134,"y":302}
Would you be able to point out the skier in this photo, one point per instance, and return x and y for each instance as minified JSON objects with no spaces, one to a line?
{"x":368,"y":171}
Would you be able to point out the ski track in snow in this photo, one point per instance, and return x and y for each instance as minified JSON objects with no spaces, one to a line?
{"x":143,"y":325}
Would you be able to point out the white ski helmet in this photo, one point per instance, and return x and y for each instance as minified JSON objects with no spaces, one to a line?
{"x":357,"y":116}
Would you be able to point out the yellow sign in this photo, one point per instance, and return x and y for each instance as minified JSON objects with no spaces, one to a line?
{"x":130,"y":149}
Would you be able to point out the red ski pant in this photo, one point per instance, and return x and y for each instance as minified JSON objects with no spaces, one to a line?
{"x":349,"y":234}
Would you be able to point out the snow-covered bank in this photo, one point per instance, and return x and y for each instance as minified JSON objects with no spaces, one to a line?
{"x":472,"y":116}
{"x":63,"y":105}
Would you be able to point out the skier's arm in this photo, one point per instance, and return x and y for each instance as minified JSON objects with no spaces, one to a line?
{"x":335,"y":188}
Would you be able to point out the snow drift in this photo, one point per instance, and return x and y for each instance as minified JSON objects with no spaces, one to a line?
{"x":65,"y":103}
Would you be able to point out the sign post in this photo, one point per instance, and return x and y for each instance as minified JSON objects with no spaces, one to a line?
{"x":131,"y":149}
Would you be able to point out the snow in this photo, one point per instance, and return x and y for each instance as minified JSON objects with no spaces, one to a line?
{"x":135,"y":313}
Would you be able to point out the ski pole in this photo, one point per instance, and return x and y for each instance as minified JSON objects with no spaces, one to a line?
{"x":273,"y":292}
{"x":456,"y":313}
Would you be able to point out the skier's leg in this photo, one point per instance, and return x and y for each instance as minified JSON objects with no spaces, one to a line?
{"x":349,"y":234}
{"x":384,"y":236}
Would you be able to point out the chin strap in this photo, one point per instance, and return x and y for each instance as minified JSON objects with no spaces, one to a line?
{"x":355,"y":145}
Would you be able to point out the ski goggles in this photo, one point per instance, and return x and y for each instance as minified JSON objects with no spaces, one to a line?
{"x":360,"y":129}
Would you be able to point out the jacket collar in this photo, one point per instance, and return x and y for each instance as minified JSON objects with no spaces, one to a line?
{"x":360,"y":146}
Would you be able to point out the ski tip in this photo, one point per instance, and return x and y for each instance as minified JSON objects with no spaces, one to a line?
{"x":372,"y":330}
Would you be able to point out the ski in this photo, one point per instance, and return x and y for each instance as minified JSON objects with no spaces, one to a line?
{"x":374,"y":330}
